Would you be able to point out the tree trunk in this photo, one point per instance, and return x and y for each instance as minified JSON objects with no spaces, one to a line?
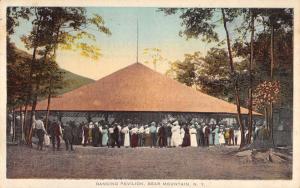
{"x":250,"y":122}
{"x":267,"y":118}
{"x":48,"y":111}
{"x":25,"y":123}
{"x":29,"y":94}
{"x":13,"y":125}
{"x":34,"y":103}
{"x":22,"y":121}
{"x":236,"y":88}
{"x":272,"y":71}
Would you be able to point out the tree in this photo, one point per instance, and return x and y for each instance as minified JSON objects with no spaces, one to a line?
{"x":52,"y":78}
{"x":185,"y":71}
{"x":200,"y":22}
{"x":54,"y":28}
{"x":264,"y":53}
{"x":154,"y":56}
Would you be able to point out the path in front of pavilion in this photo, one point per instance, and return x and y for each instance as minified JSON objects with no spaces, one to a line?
{"x":139,"y":163}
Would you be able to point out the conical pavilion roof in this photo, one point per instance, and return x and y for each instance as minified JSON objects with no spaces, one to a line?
{"x":138,"y":88}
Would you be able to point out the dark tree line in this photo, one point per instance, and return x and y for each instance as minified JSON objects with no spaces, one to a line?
{"x":32,"y":77}
{"x":237,"y":67}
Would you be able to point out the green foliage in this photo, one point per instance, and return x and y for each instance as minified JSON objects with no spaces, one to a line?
{"x":13,"y":14}
{"x":153,"y":56}
{"x":66,"y":28}
{"x":196,"y":22}
{"x":18,"y":65}
{"x":210,"y":74}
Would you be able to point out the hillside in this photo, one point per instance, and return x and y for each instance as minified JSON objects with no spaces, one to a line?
{"x":73,"y":80}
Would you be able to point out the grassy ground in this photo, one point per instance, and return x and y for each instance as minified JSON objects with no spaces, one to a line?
{"x":139,"y":163}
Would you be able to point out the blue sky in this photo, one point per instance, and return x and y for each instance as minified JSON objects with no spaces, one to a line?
{"x":119,"y":50}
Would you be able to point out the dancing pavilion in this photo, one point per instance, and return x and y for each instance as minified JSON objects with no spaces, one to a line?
{"x":137,"y":92}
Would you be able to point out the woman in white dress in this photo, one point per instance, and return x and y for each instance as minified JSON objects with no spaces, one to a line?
{"x":221,"y":138}
{"x":175,"y":138}
{"x":182,"y":132}
{"x":193,"y":133}
{"x":125,"y":131}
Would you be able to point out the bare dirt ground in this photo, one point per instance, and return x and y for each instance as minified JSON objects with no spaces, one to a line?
{"x":139,"y":163}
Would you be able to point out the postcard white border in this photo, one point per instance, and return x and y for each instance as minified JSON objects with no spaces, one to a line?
{"x":26,"y":183}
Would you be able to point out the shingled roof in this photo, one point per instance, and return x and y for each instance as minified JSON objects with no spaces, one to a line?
{"x":138,"y":88}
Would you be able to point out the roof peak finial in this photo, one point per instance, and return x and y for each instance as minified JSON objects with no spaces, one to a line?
{"x":137,"y":40}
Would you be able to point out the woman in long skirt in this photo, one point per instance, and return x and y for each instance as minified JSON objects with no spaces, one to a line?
{"x":210,"y":136}
{"x":104,"y":136}
{"x":193,"y":133}
{"x":186,"y":139}
{"x":125,"y":131}
{"x":134,"y":137}
{"x":148,"y":140}
{"x":182,"y":133}
{"x":221,"y":138}
{"x":217,"y":135}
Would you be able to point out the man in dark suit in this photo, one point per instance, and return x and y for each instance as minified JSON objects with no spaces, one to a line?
{"x":206,"y":135}
{"x":68,"y":136}
{"x":116,"y":136}
{"x":55,"y":132}
{"x":168,"y":131}
{"x":161,"y":135}
{"x":95,"y":135}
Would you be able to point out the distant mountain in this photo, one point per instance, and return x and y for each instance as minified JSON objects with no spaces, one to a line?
{"x":73,"y":80}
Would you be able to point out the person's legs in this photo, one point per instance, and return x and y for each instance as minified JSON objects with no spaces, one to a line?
{"x":71,"y":143}
{"x":85,"y":140}
{"x":118,"y":143}
{"x":113,"y":142}
{"x":153,"y":139}
{"x":58,"y":142}
{"x":67,"y":144}
{"x":53,"y":142}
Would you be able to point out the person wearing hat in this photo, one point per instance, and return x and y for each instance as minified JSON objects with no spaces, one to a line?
{"x":153,"y":134}
{"x":182,"y":134}
{"x":104,"y":136}
{"x":141,"y":132}
{"x":175,"y":138}
{"x":68,"y":136}
{"x":187,"y":137}
{"x":95,"y":135}
{"x":231,"y":136}
{"x":198,"y":130}
{"x":148,"y":140}
{"x":100,"y":133}
{"x":201,"y":134}
{"x":211,"y":134}
{"x":134,"y":136}
{"x":206,"y":132}
{"x":110,"y":133}
{"x":125,"y":131}
{"x":237,"y":135}
{"x":55,"y":132}
{"x":115,"y":136}
{"x":161,"y":136}
{"x":41,"y":132}
{"x":226,"y":136}
{"x":221,"y":137}
{"x":120,"y":134}
{"x":168,"y":130}
{"x":193,"y":133}
{"x":216,"y":135}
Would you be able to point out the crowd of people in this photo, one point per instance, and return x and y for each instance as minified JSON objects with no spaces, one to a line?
{"x":162,"y":134}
